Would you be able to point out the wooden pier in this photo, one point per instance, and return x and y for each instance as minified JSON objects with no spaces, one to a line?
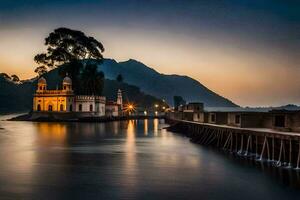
{"x":265,"y":145}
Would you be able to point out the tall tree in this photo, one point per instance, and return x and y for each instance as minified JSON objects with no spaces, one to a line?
{"x":178,"y":100}
{"x":119,"y":78}
{"x":92,"y":80}
{"x":74,"y":70}
{"x":40,"y":70}
{"x":66,"y":45}
{"x":70,"y":49}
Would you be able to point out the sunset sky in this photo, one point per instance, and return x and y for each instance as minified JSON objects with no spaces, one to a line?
{"x":245,"y":50}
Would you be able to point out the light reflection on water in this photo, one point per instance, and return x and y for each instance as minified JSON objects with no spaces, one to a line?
{"x":135,"y":159}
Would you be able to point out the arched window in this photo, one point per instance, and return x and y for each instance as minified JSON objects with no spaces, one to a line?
{"x":61,"y":107}
{"x":41,"y":88}
{"x":50,"y":108}
{"x":65,"y":87}
{"x":38,"y":107}
{"x":80,"y":107}
{"x":91,"y":107}
{"x":71,"y":108}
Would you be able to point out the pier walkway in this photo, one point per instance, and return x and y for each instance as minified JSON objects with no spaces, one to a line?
{"x":278,"y":147}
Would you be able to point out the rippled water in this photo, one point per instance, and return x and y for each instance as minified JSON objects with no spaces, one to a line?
{"x":127,"y":160}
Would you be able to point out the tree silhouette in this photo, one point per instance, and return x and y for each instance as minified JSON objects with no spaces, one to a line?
{"x":6,"y":76}
{"x":178,"y":100}
{"x":92,"y":80}
{"x":70,"y":49}
{"x":15,"y":78}
{"x":73,"y":69}
{"x":120,"y":78}
{"x":40,"y":70}
{"x":66,"y":45}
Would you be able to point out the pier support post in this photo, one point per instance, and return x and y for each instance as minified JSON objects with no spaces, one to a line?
{"x":263,"y":148}
{"x":290,"y":154}
{"x":273,"y":148}
{"x":236,"y":143}
{"x":280,"y":153}
{"x":298,"y":160}
{"x":231,"y":141}
{"x":248,"y":145}
{"x":227,"y":140}
{"x":256,"y":145}
{"x":268,"y":148}
{"x":242,"y":145}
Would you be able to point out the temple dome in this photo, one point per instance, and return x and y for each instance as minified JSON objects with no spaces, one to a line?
{"x":67,"y":80}
{"x":42,"y":80}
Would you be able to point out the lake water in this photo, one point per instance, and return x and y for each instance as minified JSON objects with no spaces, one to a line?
{"x":127,"y":160}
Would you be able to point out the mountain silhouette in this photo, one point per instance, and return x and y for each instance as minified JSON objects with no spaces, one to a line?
{"x":141,"y":85}
{"x":161,"y":85}
{"x":17,"y":97}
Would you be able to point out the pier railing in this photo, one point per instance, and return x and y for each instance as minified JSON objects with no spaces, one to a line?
{"x":265,"y":145}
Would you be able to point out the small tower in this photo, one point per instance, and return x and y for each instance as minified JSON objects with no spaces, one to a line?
{"x":120,"y":99}
{"x":42,"y":85}
{"x":67,"y":84}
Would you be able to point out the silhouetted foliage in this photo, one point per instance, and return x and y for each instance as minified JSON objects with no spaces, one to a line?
{"x":15,"y":78}
{"x":69,"y":49}
{"x":66,"y":45}
{"x":178,"y":100}
{"x":120,"y":78}
{"x":73,"y":69}
{"x":86,"y":79}
{"x":6,"y":76}
{"x":92,"y":81}
{"x":40,"y":70}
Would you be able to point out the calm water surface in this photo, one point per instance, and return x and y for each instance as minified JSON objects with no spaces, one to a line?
{"x":127,"y":160}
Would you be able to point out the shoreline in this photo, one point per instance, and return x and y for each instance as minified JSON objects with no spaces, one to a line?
{"x":27,"y":117}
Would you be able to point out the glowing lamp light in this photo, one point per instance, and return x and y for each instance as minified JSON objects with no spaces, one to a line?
{"x":163,"y":107}
{"x":156,"y":112}
{"x":129,"y":108}
{"x":156,"y":105}
{"x":145,"y":112}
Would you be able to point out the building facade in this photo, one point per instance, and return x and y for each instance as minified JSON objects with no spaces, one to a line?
{"x":64,"y":100}
{"x":112,"y":109}
{"x":247,"y":119}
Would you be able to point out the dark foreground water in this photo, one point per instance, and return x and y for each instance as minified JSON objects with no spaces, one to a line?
{"x":127,"y":160}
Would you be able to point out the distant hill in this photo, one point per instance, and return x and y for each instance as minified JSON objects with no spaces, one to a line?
{"x":161,"y":85}
{"x":141,"y":84}
{"x":17,"y":97}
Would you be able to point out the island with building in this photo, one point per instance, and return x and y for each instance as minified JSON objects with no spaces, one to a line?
{"x":65,"y":104}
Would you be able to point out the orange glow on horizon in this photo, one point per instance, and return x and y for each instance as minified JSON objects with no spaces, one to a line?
{"x":218,"y":63}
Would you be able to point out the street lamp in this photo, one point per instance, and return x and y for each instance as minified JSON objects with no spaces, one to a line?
{"x":129,"y":108}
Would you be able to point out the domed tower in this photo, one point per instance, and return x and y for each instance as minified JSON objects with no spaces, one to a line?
{"x":42,"y":85}
{"x":120,"y":99}
{"x":67,"y":83}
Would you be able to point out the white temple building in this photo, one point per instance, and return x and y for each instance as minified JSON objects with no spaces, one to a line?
{"x":65,"y":101}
